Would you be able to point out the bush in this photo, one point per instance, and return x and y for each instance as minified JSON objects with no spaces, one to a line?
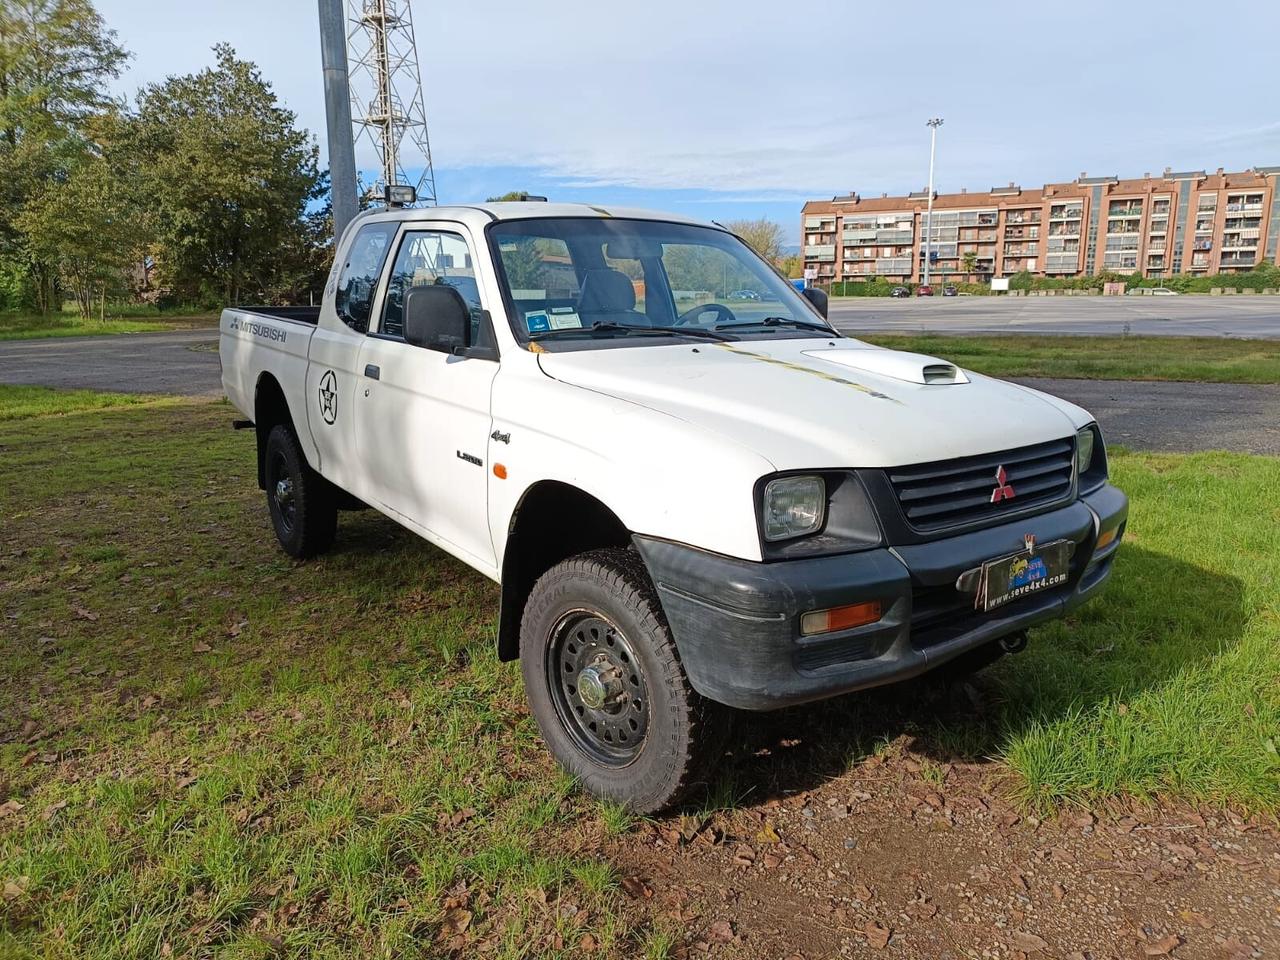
{"x":875,"y":287}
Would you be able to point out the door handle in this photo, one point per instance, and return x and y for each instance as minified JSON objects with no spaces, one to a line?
{"x":373,"y":371}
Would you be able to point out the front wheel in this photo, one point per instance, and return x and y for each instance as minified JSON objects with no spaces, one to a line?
{"x":605,"y":683}
{"x":303,"y":508}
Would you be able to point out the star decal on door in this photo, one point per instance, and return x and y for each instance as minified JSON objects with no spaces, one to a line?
{"x":329,"y":397}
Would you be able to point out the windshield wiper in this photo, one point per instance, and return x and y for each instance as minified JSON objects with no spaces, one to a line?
{"x":608,"y":326}
{"x":777,"y":322}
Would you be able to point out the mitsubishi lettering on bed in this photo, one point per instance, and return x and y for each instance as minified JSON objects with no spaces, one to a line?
{"x":696,"y":495}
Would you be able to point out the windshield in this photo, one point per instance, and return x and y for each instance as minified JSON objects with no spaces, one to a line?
{"x":584,"y":281}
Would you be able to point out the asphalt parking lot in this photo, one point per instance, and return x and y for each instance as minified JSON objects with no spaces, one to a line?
{"x":1142,"y":416}
{"x":1200,"y":316}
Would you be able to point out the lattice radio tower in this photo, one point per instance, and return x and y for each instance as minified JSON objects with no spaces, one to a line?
{"x":386,"y":92}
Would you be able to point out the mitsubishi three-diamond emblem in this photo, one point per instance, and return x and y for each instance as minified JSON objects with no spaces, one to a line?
{"x":1003,"y":489}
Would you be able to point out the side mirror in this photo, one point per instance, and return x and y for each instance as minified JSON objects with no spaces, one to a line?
{"x":436,"y":317}
{"x":818,"y":298}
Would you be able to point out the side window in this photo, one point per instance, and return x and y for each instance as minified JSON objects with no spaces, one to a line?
{"x":430,"y":257}
{"x":359,"y":278}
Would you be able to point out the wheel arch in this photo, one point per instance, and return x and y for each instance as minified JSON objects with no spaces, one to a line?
{"x":270,"y":409}
{"x":552,"y":521}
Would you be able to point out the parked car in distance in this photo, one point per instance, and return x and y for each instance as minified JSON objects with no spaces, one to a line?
{"x":924,"y":290}
{"x":691,"y":507}
{"x":1163,"y":292}
{"x":900,"y":292}
{"x":949,"y":290}
{"x":744,"y":295}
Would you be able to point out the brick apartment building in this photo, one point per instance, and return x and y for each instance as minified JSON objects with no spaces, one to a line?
{"x":1191,"y":222}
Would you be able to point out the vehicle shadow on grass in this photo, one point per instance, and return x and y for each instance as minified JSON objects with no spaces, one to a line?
{"x":1159,"y":617}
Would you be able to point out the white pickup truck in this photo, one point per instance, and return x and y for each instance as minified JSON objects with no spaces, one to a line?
{"x":696,"y":495}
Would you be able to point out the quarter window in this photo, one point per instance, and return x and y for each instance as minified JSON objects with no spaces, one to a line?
{"x":359,"y":278}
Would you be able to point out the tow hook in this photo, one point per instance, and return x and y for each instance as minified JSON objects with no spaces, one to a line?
{"x":1014,"y":643}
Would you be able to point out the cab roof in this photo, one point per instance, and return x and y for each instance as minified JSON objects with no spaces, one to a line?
{"x":484,"y":213}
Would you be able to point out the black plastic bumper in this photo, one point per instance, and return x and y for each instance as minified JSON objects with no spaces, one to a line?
{"x":737,"y":623}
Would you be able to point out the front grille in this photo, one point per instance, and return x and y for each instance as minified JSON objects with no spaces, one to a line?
{"x":953,"y":493}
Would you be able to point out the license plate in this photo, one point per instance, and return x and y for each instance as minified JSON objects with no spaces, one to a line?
{"x":1011,"y":578}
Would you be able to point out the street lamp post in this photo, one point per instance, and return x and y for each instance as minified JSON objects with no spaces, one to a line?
{"x":933,"y":123}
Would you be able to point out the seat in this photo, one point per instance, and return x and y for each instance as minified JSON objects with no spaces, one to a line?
{"x":608,"y":296}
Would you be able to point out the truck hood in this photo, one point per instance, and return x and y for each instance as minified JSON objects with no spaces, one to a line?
{"x":811,"y":403}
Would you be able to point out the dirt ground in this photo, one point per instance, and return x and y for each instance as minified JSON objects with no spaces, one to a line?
{"x":906,"y":857}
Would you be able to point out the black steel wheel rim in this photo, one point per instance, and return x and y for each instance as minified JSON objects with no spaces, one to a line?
{"x":598,"y":687}
{"x":282,"y":494}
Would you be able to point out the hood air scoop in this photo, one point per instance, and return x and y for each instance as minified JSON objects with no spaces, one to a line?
{"x":911,"y":367}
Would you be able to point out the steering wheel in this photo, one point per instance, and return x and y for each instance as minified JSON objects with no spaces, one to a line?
{"x":722,"y":313}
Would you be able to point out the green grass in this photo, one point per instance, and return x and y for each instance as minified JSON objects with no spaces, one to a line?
{"x":1207,"y":359}
{"x":318,"y":760}
{"x":18,"y":402}
{"x":21,"y":326}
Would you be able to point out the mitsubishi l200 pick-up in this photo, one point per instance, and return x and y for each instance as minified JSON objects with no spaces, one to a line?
{"x":696,"y":494}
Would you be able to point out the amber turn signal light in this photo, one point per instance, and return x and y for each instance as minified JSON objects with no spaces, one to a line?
{"x":840,"y":618}
{"x":1105,"y":540}
{"x":500,"y":471}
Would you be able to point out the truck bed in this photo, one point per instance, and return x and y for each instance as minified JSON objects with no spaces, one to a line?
{"x":309,"y":315}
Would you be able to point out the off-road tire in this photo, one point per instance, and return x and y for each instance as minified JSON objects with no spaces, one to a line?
{"x":307,"y":524}
{"x":686,"y":734}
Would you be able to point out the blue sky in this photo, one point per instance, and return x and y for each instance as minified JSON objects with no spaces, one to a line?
{"x":740,"y":108}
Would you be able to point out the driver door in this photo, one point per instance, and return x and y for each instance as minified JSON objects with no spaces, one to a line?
{"x":423,"y":418}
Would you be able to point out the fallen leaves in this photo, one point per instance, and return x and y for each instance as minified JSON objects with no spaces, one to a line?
{"x":1163,"y":946}
{"x":456,"y":819}
{"x":636,"y":888}
{"x":1028,"y":942}
{"x":455,"y":921}
{"x":10,"y":806}
{"x":13,"y":889}
{"x":768,"y":834}
{"x":721,"y":932}
{"x":52,"y":810}
{"x":877,"y":934}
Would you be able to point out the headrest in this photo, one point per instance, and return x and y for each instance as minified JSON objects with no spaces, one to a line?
{"x":606,"y":291}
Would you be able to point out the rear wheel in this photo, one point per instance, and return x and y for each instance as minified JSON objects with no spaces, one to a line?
{"x":605,"y":683}
{"x":302,"y":504}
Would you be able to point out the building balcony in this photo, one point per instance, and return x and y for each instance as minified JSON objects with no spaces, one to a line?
{"x":1199,"y":244}
{"x":1130,"y":211}
{"x":820,"y":252}
{"x":1022,"y":216}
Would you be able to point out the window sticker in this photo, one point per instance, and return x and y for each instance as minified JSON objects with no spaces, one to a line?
{"x":536,"y":321}
{"x":565,"y":318}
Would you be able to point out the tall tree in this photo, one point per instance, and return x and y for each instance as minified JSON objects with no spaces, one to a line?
{"x":231,"y":176}
{"x":56,"y":57}
{"x":763,"y":235}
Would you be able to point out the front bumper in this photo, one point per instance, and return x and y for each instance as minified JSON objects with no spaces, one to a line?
{"x":737,"y":623}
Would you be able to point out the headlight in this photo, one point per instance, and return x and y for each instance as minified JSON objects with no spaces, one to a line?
{"x":794,"y":506}
{"x":1084,"y":450}
{"x":1091,"y":458}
